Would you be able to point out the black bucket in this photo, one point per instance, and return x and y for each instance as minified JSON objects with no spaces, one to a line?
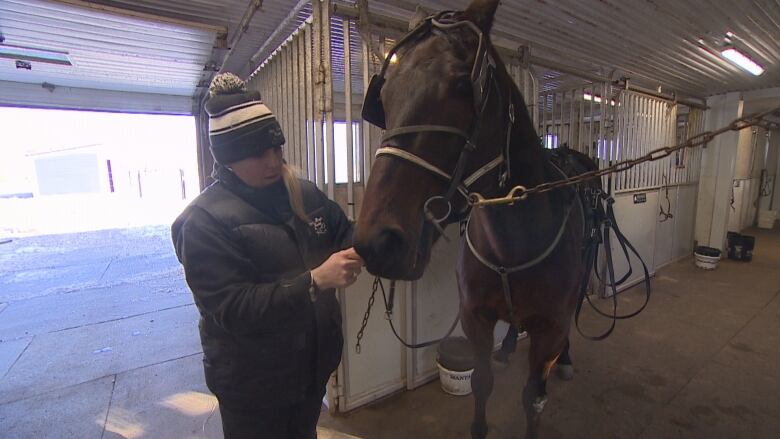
{"x":456,"y":353}
{"x":740,"y":247}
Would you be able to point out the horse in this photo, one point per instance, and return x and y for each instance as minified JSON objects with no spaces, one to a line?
{"x":455,"y":123}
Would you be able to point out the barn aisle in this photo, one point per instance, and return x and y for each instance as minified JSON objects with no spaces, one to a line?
{"x":700,"y":362}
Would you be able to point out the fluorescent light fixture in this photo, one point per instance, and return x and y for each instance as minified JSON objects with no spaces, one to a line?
{"x":742,"y":61}
{"x":34,"y":54}
{"x":589,"y":97}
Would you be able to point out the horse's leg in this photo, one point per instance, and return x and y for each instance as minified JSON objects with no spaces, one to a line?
{"x":544,"y":352}
{"x":479,"y":331}
{"x":565,"y":370}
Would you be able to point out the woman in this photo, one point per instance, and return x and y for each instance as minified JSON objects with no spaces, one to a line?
{"x":262,"y":253}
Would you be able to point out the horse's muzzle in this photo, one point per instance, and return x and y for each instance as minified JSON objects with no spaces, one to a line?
{"x":387,"y":253}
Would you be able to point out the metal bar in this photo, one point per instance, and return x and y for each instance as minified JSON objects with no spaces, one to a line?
{"x":301,"y":106}
{"x":319,"y":93}
{"x":327,"y":70}
{"x":630,"y":130}
{"x":242,"y":28}
{"x":620,"y":132}
{"x":310,"y":103}
{"x":544,"y":120}
{"x":592,"y":119}
{"x":296,"y":105}
{"x":652,"y":139}
{"x":290,"y":102}
{"x":640,"y":139}
{"x":602,"y":110}
{"x":635,"y":138}
{"x":552,"y":120}
{"x":348,"y":104}
{"x":571,"y":120}
{"x":663,"y":122}
{"x":561,"y":124}
{"x":286,"y":92}
{"x":581,"y":123}
{"x":291,"y":17}
{"x":535,"y":94}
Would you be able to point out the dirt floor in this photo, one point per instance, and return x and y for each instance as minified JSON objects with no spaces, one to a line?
{"x":98,"y":339}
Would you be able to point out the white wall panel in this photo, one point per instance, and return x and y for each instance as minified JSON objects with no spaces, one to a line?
{"x":684,"y":219}
{"x":433,"y":306}
{"x":380,"y":367}
{"x":664,"y":237}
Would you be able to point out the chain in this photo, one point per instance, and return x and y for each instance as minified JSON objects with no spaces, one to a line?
{"x":367,"y":314}
{"x":519,"y":193}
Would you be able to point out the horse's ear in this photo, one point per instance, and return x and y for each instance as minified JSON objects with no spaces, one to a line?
{"x":482,"y":12}
{"x":420,"y":14}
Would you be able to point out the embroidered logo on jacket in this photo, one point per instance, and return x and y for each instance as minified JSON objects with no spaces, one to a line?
{"x":319,"y":226}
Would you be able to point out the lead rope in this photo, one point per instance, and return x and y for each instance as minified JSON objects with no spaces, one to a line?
{"x":389,"y":304}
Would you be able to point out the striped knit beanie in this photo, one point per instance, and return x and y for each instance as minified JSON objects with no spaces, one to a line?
{"x":240,"y":125}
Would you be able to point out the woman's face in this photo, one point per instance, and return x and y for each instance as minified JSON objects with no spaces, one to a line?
{"x":260,"y":171}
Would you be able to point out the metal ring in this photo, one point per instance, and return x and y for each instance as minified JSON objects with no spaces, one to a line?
{"x":430,"y":216}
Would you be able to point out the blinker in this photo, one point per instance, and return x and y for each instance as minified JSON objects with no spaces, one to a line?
{"x":373,"y":111}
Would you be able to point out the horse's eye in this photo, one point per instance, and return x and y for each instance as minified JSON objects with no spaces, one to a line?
{"x":463,"y":87}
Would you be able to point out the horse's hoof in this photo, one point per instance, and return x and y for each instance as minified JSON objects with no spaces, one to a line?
{"x":478,"y":431}
{"x":539,"y":404}
{"x":565,"y":372}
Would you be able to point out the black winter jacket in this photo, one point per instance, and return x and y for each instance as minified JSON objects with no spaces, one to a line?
{"x":246,"y":259}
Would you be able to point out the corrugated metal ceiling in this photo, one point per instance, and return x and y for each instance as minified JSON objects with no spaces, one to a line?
{"x":654,"y":42}
{"x":108,"y":51}
{"x":226,"y":13}
{"x":149,"y":46}
{"x":670,"y":43}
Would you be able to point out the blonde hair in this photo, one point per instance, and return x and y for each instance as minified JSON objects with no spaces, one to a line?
{"x":290,"y":176}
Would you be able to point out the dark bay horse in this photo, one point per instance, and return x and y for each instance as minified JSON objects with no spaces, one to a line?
{"x":455,"y":123}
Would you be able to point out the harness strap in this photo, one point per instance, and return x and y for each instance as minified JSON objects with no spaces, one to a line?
{"x":414,"y":129}
{"x":505,"y":272}
{"x":507,"y":294}
{"x":389,"y":314}
{"x":468,"y":181}
{"x":606,"y":220}
{"x":408,"y":156}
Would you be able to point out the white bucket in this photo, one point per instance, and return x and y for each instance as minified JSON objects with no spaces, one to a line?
{"x":766,"y":219}
{"x":706,"y":262}
{"x":454,"y":382}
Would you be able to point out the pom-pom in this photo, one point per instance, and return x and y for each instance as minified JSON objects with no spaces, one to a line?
{"x":226,"y":84}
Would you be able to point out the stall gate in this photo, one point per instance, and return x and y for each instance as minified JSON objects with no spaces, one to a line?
{"x":655,"y":202}
{"x":315,"y":82}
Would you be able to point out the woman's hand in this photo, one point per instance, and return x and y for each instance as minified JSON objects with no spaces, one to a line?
{"x":339,"y":271}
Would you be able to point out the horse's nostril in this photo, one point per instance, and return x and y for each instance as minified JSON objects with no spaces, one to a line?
{"x":389,"y":241}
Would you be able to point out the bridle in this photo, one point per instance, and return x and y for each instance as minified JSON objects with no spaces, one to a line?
{"x":483,"y":80}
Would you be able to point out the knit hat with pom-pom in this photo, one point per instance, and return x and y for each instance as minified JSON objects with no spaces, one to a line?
{"x":240,"y":125}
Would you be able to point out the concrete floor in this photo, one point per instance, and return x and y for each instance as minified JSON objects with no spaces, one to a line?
{"x":98,"y":339}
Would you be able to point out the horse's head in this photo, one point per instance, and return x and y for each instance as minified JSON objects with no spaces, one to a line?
{"x":442,"y":98}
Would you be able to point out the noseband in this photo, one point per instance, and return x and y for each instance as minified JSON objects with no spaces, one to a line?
{"x":482,"y":78}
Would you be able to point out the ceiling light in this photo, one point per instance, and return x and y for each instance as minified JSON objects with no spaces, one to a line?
{"x":742,"y":61}
{"x":589,"y":97}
